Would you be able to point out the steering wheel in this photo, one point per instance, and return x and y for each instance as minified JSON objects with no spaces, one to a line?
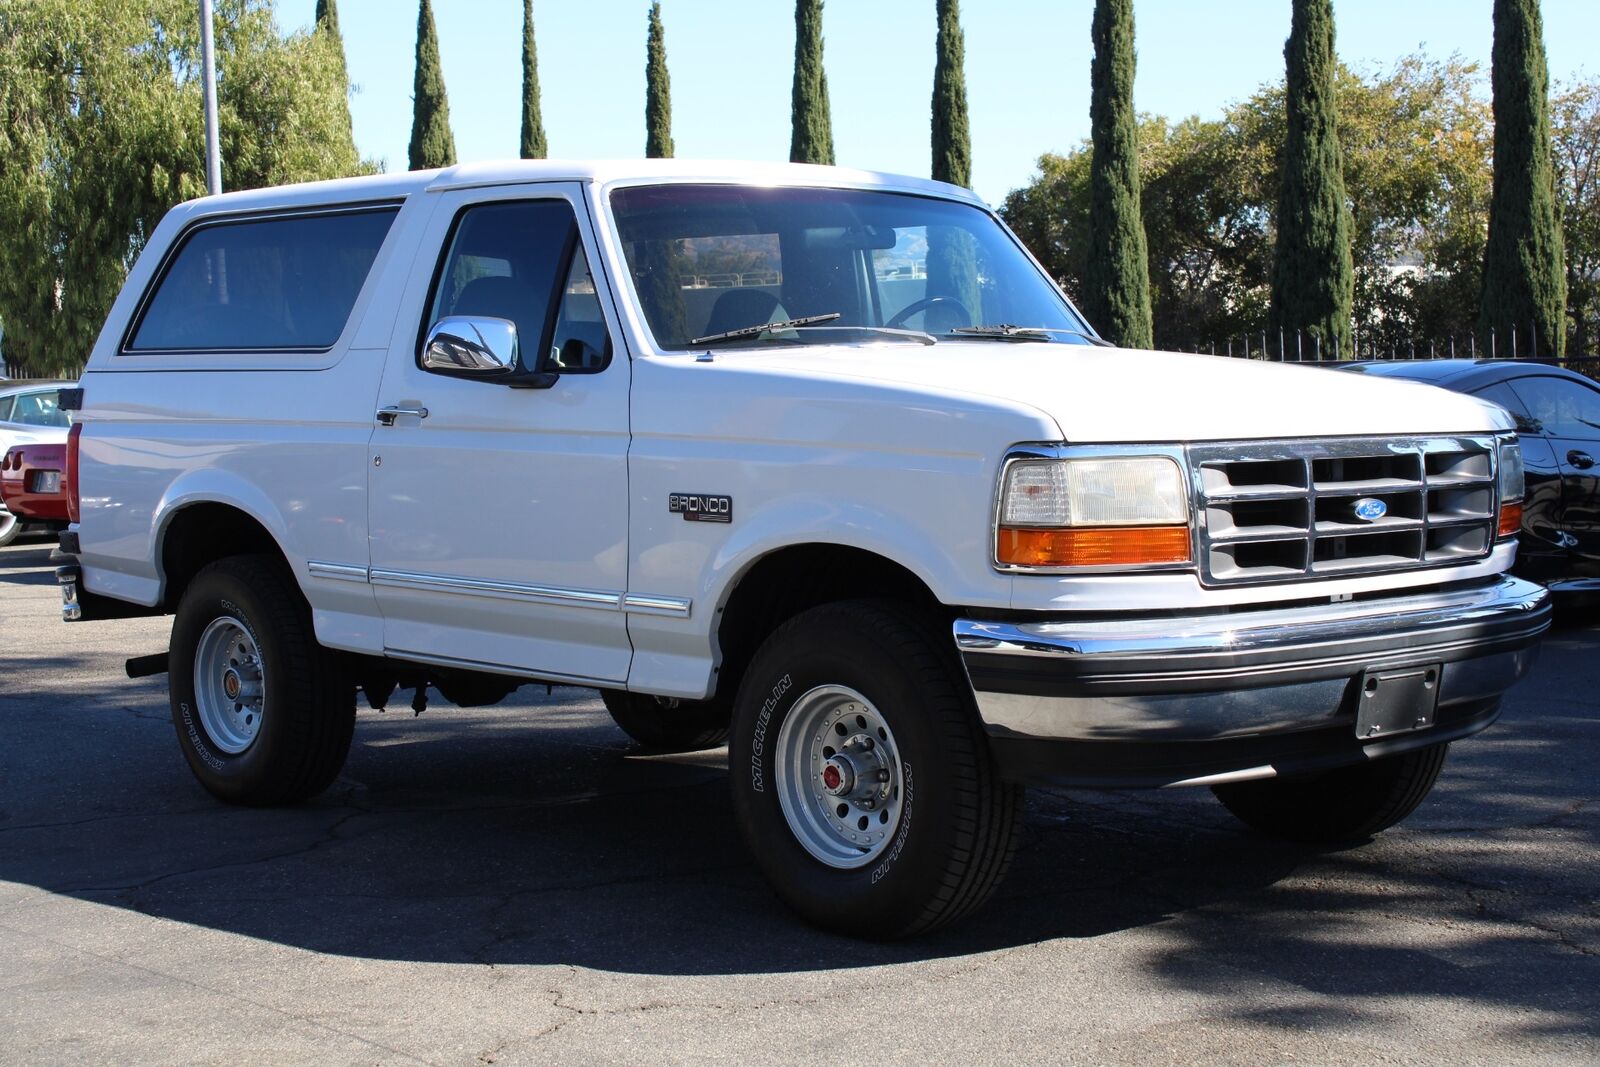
{"x":927,"y":303}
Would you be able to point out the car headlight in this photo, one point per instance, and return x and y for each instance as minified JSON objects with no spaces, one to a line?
{"x":1513,"y":486}
{"x":1111,"y":511}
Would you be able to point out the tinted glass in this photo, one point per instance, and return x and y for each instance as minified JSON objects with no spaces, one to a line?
{"x":580,"y":342}
{"x":39,"y":409}
{"x":707,"y":259}
{"x":1563,"y":408}
{"x":506,"y":262}
{"x":5,"y":408}
{"x":1501,"y":393}
{"x":286,"y":283}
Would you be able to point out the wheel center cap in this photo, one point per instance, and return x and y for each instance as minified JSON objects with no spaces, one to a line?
{"x":838,"y":777}
{"x":231,"y":683}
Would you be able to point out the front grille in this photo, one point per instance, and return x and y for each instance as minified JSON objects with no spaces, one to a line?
{"x":1285,"y":510}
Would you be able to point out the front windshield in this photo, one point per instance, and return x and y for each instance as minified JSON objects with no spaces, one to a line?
{"x":709,"y":260}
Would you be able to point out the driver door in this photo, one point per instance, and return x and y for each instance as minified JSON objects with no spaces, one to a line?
{"x":499,"y":515}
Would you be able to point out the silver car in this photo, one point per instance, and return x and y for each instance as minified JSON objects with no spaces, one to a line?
{"x":30,"y":413}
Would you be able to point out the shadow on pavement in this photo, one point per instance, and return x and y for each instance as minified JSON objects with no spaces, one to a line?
{"x":537,"y":835}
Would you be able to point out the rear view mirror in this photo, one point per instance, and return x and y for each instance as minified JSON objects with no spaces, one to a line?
{"x":851,"y":238}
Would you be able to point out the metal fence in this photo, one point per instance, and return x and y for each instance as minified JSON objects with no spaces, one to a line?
{"x":1299,"y":347}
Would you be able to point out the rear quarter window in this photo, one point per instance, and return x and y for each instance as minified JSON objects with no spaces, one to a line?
{"x":283,"y":283}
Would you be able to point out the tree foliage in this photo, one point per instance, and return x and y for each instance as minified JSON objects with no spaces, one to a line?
{"x":101,"y":131}
{"x":1116,"y":283}
{"x":1575,"y":114}
{"x":1312,"y":276}
{"x":952,"y":139}
{"x":1524,"y":285}
{"x":812,"y":138}
{"x":327,"y":26}
{"x":1416,"y":141}
{"x":532,"y":144}
{"x":432,"y":143}
{"x":657,"y":90}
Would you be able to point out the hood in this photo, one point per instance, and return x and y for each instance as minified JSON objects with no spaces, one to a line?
{"x":1115,"y":395}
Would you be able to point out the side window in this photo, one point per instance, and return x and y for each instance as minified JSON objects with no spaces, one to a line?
{"x":5,"y":408}
{"x":522,"y":261}
{"x":40,"y":409}
{"x":1564,"y":408}
{"x":285,"y":283}
{"x":1500,"y":393}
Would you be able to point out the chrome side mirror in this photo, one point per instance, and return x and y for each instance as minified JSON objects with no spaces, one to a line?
{"x":471,"y":346}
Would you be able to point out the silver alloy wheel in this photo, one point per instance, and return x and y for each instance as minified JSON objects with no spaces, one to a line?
{"x":228,"y":685}
{"x":838,"y":774}
{"x":8,"y":521}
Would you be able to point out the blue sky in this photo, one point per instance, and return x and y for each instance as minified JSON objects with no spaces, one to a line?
{"x":1027,"y":70}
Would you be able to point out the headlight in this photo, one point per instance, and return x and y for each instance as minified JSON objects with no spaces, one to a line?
{"x":1513,"y":485}
{"x":1109,"y":511}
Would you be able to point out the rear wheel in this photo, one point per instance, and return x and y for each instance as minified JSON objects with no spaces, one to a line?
{"x":666,"y":724}
{"x":861,"y":778}
{"x":1346,"y":804}
{"x":264,"y":714}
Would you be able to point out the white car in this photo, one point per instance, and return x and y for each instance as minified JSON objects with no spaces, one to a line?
{"x":30,"y":414}
{"x":816,"y":462}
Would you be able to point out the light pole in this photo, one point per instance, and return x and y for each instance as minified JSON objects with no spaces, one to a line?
{"x":208,"y":79}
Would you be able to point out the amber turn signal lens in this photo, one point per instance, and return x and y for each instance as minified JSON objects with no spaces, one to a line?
{"x":1093,"y":546}
{"x":1510,"y":519}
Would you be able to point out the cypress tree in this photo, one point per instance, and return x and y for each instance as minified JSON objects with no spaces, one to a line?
{"x":432,"y":143}
{"x":1116,"y":284}
{"x":1524,"y":286}
{"x":812,"y":139}
{"x":533,"y":142}
{"x":657,"y":90}
{"x":327,"y":26}
{"x":1312,"y":278}
{"x":952,"y":142}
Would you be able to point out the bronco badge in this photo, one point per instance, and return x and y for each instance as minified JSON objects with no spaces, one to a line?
{"x":701,"y":507}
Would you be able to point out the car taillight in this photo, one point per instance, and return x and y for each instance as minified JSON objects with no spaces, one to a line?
{"x":72,"y":471}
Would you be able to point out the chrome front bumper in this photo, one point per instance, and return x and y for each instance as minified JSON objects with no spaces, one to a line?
{"x":1167,"y":699}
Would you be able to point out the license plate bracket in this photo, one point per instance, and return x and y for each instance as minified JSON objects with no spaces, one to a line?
{"x":1398,"y":700}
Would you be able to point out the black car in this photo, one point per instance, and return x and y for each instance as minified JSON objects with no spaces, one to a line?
{"x":1558,"y":419}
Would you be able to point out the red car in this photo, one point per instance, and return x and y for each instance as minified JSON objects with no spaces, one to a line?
{"x":33,"y":484}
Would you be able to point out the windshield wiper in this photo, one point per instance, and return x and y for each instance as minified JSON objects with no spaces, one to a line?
{"x":765,"y":327}
{"x":1004,"y":331}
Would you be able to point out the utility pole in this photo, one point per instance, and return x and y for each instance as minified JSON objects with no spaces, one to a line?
{"x":208,"y":78}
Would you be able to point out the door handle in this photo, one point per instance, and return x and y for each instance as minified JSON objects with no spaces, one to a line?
{"x":386,"y":416}
{"x":1580,"y":459}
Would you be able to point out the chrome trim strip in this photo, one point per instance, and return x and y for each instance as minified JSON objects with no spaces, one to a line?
{"x":645,"y":604}
{"x":538,"y":594}
{"x":554,"y":677}
{"x":344,"y":572}
{"x":1328,"y":625}
{"x":1248,"y":774}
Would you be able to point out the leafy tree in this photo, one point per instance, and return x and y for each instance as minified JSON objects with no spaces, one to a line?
{"x":432,"y":143}
{"x":1312,"y":275}
{"x":952,"y":141}
{"x":1116,"y":284}
{"x":103,"y":133}
{"x":1524,"y":287}
{"x":327,"y":26}
{"x":533,"y":145}
{"x":657,"y":90}
{"x":812,"y":137}
{"x":1575,"y":117}
{"x":1416,"y":143}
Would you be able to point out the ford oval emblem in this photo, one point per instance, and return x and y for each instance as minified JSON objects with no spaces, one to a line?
{"x":1370,"y":509}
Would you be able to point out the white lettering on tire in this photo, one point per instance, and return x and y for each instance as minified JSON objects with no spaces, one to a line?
{"x":205,"y":753}
{"x":758,"y":742}
{"x":905,"y":829}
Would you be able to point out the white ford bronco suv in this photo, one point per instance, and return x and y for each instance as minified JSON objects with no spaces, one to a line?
{"x":816,"y":462}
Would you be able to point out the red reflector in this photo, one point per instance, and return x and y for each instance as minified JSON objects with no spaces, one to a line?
{"x":1093,"y":546}
{"x":71,"y":475}
{"x":1510,"y":519}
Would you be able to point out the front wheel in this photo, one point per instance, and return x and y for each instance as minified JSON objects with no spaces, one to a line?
{"x":862,"y":782}
{"x":264,"y":714}
{"x":1345,"y":804}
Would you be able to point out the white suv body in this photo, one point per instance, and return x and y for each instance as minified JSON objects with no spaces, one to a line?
{"x":595,"y":525}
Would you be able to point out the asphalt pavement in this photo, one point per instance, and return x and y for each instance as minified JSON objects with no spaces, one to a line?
{"x":519,"y":885}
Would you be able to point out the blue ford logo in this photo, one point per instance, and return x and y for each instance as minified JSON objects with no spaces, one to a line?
{"x":1369,"y":509}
